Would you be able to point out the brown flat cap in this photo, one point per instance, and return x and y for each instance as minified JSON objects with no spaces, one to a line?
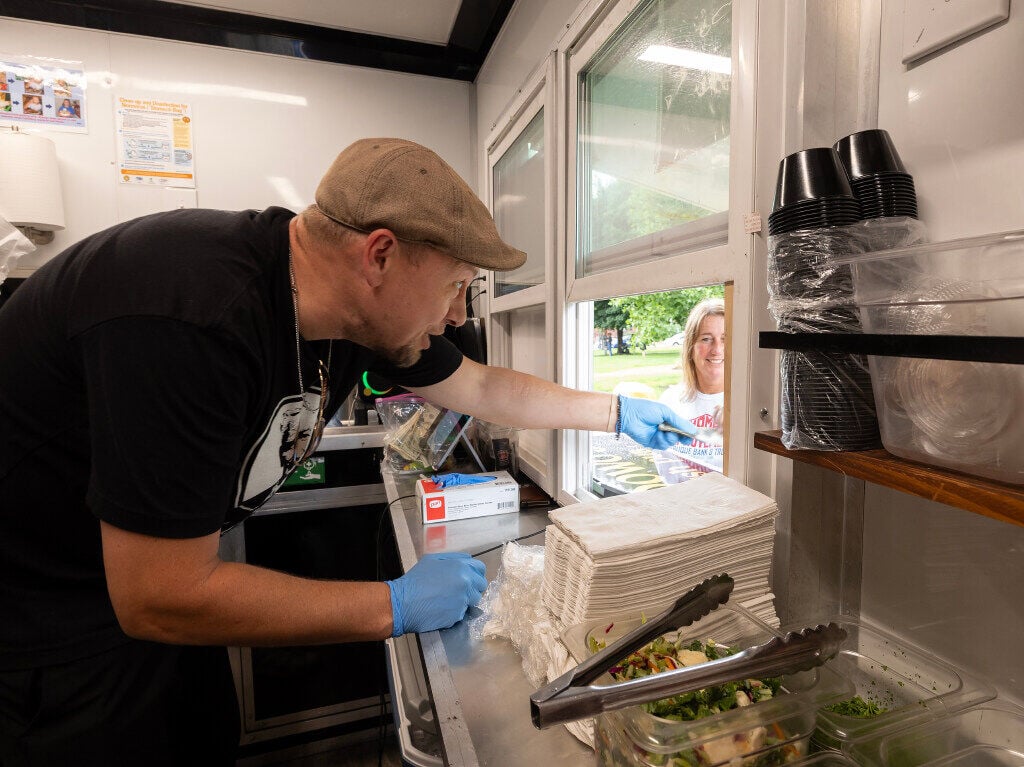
{"x":399,"y":185}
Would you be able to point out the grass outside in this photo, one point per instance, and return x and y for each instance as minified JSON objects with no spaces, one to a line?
{"x":658,"y":369}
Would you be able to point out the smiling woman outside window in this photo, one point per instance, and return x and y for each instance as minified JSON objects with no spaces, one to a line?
{"x":700,"y":395}
{"x":644,"y":361}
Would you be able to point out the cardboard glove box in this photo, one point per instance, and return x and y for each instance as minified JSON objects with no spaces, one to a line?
{"x":498,"y":496}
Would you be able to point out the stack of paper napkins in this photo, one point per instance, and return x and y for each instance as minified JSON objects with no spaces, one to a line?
{"x":640,"y":552}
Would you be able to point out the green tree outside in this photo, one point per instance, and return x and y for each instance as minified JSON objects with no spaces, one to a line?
{"x":656,"y":316}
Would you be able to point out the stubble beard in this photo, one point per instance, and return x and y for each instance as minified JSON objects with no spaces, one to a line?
{"x":404,"y":357}
{"x":399,"y":356}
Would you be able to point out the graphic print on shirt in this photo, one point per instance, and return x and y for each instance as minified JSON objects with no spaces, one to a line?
{"x":271,"y":458}
{"x":701,"y":455}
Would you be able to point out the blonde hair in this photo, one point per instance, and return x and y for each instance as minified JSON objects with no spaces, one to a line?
{"x":707,"y":308}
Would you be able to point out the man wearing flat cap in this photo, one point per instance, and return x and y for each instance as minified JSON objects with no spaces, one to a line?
{"x":160,"y":380}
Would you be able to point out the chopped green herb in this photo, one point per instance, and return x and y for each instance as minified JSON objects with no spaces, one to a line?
{"x":856,"y":707}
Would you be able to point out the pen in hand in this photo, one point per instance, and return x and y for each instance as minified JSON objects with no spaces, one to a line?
{"x":710,"y":436}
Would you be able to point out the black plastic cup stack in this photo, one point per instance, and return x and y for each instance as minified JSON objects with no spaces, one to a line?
{"x":812,"y":191}
{"x":827,"y":401}
{"x":879,"y":181}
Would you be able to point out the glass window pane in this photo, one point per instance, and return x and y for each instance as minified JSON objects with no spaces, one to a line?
{"x":519,"y":206}
{"x":668,"y":347}
{"x":653,"y":125}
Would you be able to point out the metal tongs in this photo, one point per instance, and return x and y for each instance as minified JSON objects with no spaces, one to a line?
{"x":572,"y":697}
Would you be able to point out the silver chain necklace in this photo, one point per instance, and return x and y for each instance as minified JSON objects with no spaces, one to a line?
{"x":295,"y":307}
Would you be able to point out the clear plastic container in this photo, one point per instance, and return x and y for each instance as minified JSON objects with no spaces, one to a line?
{"x":910,"y":684}
{"x":770,"y":732}
{"x":960,"y":415}
{"x":984,"y":736}
{"x":826,"y":759}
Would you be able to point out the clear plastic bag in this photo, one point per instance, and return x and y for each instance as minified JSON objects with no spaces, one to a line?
{"x":512,"y":608}
{"x":497,"y":445}
{"x":420,"y":436}
{"x":402,"y":415}
{"x":13,"y":245}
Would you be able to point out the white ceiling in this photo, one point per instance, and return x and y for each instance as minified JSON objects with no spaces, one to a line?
{"x":427,"y":21}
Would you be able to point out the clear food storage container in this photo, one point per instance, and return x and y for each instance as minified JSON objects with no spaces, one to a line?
{"x":771,"y":731}
{"x":896,"y":685}
{"x":955,"y":414}
{"x":984,"y":736}
{"x":826,"y":759}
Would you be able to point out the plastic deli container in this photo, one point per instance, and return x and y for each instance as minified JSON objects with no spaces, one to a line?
{"x":985,"y":736}
{"x":908,"y":683}
{"x":826,"y":759}
{"x":960,"y":415}
{"x":769,"y":732}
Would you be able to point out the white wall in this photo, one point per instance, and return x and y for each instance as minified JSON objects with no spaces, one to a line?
{"x":265,"y":127}
{"x":529,"y":34}
{"x":957,"y":118}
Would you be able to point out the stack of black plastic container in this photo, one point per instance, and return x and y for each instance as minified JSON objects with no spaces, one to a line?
{"x":877,"y":176}
{"x":821,"y":195}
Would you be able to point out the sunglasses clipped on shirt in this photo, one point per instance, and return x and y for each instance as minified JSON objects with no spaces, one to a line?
{"x":303,"y":452}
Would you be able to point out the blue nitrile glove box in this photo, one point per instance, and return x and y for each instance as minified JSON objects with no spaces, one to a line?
{"x":444,"y":504}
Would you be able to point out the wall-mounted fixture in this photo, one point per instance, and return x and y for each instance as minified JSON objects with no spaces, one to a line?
{"x":30,"y":185}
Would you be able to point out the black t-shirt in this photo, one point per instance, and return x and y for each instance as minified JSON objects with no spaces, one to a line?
{"x":148,"y":378}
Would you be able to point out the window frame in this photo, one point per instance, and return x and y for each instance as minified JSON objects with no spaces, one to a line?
{"x":536,"y":95}
{"x":684,"y":257}
{"x":690,"y":260}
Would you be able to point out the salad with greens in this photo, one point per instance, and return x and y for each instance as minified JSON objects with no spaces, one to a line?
{"x":752,"y":748}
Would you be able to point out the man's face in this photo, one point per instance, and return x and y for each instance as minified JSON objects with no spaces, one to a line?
{"x":426,"y":293}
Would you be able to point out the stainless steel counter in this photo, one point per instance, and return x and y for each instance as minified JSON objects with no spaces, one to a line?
{"x":480,"y":693}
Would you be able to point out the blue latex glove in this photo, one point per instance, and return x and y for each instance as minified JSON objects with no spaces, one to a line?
{"x":454,"y":480}
{"x":436,"y":592}
{"x":640,"y":419}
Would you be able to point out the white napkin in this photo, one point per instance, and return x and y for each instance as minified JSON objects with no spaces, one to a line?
{"x":640,"y":552}
{"x":708,"y":504}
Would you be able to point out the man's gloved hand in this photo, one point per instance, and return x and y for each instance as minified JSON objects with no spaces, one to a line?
{"x":640,"y":419}
{"x":436,"y":592}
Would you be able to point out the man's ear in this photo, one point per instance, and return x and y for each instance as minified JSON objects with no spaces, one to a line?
{"x":378,"y":256}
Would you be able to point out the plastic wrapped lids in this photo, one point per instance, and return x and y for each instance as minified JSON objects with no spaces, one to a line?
{"x":821,"y":195}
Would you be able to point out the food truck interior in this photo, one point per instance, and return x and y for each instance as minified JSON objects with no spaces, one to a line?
{"x":646,"y":154}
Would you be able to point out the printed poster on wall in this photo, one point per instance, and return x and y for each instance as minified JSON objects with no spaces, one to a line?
{"x":154,"y":143}
{"x":33,"y":94}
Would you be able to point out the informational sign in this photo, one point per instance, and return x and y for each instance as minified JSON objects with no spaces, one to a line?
{"x":154,"y":143}
{"x":36,"y":94}
{"x":312,"y":471}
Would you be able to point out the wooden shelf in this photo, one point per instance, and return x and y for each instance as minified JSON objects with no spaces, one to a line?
{"x":997,"y":500}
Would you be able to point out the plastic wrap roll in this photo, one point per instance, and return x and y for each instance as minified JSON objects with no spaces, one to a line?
{"x":827,"y":400}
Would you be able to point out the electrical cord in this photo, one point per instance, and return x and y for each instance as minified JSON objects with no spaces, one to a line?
{"x":387,"y":508}
{"x":478,"y":294}
{"x":511,"y":540}
{"x":469,"y":301}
